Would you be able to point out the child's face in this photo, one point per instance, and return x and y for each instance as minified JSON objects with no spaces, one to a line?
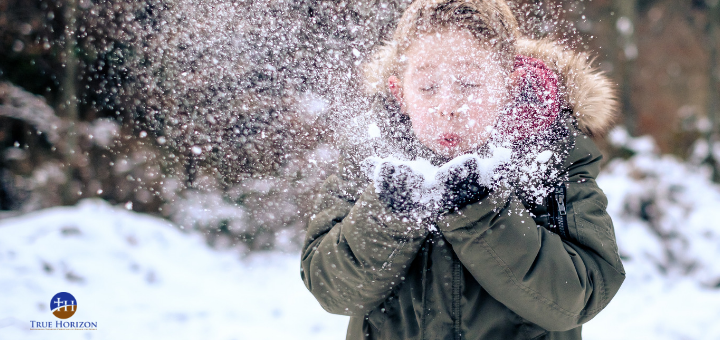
{"x":453,"y":88}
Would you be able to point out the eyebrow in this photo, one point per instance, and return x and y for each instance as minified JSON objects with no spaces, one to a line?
{"x":423,"y":67}
{"x":426,"y":66}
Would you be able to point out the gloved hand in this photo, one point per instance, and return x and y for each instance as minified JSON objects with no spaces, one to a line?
{"x":461,"y":184}
{"x":399,"y":187}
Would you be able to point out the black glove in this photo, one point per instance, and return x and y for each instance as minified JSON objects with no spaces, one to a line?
{"x":461,"y":185}
{"x":398,"y":186}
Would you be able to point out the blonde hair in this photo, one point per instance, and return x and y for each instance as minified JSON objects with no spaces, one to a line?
{"x":490,"y":21}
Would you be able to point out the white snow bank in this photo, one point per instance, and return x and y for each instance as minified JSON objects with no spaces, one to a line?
{"x":666,"y":214}
{"x":658,"y":309}
{"x":666,"y":221}
{"x":140,"y":277}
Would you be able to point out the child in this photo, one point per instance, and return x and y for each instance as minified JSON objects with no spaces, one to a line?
{"x":525,"y":251}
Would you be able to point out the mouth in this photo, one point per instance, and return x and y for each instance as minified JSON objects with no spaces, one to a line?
{"x":448,"y":140}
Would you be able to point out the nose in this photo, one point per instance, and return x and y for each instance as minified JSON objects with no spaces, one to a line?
{"x":449,"y":104}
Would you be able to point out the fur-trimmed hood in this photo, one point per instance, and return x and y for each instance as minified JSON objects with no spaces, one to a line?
{"x":589,"y":93}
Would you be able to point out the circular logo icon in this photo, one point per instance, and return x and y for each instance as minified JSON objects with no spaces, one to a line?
{"x":63,"y":305}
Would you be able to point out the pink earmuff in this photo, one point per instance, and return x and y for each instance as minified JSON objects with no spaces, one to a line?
{"x":535,"y":104}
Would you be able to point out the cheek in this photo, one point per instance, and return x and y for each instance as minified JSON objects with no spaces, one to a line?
{"x":420,"y":115}
{"x":481,"y":116}
{"x":490,"y":102}
{"x":416,"y":103}
{"x":421,"y":124}
{"x":485,"y":111}
{"x":484,"y":121}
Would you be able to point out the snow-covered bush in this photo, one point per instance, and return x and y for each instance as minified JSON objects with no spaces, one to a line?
{"x":666,"y":212}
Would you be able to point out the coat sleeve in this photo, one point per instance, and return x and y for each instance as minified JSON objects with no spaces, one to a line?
{"x":555,"y":283}
{"x":355,"y":252}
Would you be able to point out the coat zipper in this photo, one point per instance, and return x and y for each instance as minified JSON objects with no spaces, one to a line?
{"x":457,"y":273}
{"x":561,"y":218}
{"x":426,"y":250}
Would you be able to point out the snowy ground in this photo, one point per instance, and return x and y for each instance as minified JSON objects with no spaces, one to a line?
{"x":139,"y":277}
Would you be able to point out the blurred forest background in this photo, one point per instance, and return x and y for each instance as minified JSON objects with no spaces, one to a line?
{"x":218,"y":114}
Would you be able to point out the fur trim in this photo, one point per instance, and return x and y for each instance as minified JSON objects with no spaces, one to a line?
{"x":377,"y":69}
{"x":589,"y":92}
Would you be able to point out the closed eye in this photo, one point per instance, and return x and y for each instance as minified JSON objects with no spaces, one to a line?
{"x":430,"y":88}
{"x":469,"y":85}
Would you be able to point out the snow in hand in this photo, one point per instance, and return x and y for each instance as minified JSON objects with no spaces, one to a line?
{"x":431,"y":175}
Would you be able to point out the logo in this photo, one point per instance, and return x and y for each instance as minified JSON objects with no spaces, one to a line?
{"x":63,"y":305}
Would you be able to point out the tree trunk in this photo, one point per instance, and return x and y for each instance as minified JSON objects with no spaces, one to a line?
{"x":713,"y":105}
{"x":69,"y":102}
{"x":626,"y":14}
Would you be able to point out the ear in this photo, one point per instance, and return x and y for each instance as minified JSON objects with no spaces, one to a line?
{"x":396,"y":90}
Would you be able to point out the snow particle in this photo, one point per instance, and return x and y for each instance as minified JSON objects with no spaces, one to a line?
{"x":373,"y":131}
{"x":625,"y":26}
{"x":544,"y":156}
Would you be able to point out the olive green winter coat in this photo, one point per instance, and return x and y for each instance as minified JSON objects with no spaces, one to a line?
{"x":490,"y":272}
